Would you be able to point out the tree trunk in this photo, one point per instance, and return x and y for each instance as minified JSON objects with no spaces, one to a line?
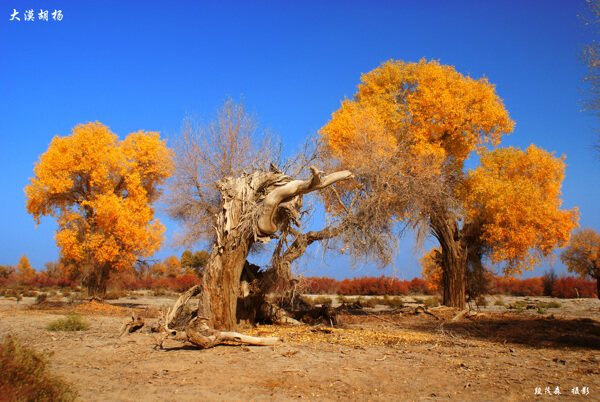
{"x":598,"y":287}
{"x":220,"y":286}
{"x":97,"y":280}
{"x":454,"y":261}
{"x":453,"y":278}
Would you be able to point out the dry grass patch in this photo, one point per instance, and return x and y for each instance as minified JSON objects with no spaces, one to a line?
{"x":24,"y":375}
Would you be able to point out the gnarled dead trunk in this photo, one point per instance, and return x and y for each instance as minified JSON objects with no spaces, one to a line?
{"x":254,"y":207}
{"x":220,"y":286}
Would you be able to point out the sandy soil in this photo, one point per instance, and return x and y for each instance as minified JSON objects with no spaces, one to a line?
{"x":373,"y":355}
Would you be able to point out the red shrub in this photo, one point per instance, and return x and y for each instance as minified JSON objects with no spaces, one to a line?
{"x":373,"y":286}
{"x":178,"y":283}
{"x":184,"y":282}
{"x":570,"y":287}
{"x":564,"y":287}
{"x":417,"y":286}
{"x":319,"y":286}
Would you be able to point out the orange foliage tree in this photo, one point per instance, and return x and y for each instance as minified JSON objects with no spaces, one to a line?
{"x":507,"y":209}
{"x":101,"y":191}
{"x":431,"y":269}
{"x":582,"y":255}
{"x":25,"y":271}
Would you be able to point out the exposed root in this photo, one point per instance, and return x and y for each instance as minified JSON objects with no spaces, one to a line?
{"x":197,"y":330}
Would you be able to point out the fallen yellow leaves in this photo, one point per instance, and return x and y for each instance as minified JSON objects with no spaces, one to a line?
{"x":93,"y":307}
{"x":348,"y":337}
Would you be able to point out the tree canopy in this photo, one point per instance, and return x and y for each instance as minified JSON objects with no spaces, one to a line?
{"x":582,"y":254}
{"x":101,"y":191}
{"x":434,"y":118}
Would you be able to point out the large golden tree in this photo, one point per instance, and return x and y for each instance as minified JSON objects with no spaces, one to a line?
{"x":507,"y":209}
{"x":101,"y":191}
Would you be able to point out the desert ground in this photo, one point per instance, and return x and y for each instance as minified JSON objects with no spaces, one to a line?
{"x":407,"y":353}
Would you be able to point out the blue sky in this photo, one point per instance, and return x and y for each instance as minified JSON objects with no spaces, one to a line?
{"x":144,"y":65}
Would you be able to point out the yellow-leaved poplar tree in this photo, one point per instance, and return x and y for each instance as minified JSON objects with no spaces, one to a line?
{"x":101,"y":191}
{"x":431,"y":269}
{"x":435,"y":118}
{"x":514,"y":196}
{"x":582,"y":255}
{"x":24,"y":269}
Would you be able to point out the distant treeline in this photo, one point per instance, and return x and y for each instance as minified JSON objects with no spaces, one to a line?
{"x":563,"y":287}
{"x":180,"y":274}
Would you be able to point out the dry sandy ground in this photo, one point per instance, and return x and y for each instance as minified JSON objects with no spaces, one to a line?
{"x":373,"y":356}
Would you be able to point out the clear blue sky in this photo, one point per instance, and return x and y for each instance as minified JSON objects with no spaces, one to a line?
{"x":144,"y":65}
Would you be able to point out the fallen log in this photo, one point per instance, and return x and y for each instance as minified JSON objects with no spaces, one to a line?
{"x":201,"y":335}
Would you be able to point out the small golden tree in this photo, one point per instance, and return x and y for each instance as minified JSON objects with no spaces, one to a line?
{"x":25,"y":271}
{"x":101,"y":191}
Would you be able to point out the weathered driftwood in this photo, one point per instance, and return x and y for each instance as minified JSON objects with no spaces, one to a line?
{"x":132,"y":325}
{"x":201,"y":335}
{"x":176,"y":311}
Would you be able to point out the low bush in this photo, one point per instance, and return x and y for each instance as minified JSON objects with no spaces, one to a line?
{"x":395,"y":301}
{"x":307,"y":300}
{"x":11,"y":292}
{"x":552,"y":304}
{"x":322,"y":300}
{"x":25,"y":375}
{"x":431,"y":302}
{"x":319,"y":286}
{"x":519,"y":306}
{"x":570,"y":287}
{"x":367,"y":302}
{"x":114,"y":294}
{"x":42,"y":297}
{"x":499,"y":302}
{"x":481,"y":301}
{"x":72,"y":322}
{"x":343,"y":299}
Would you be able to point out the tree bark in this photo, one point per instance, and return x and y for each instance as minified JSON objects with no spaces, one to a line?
{"x":598,"y":287}
{"x":97,"y":280}
{"x":454,"y":280}
{"x":220,"y":287}
{"x":454,"y":261}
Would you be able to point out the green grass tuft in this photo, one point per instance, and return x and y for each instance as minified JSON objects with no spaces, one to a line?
{"x":322,"y":300}
{"x":72,"y":322}
{"x":431,"y":302}
{"x":545,"y":305}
